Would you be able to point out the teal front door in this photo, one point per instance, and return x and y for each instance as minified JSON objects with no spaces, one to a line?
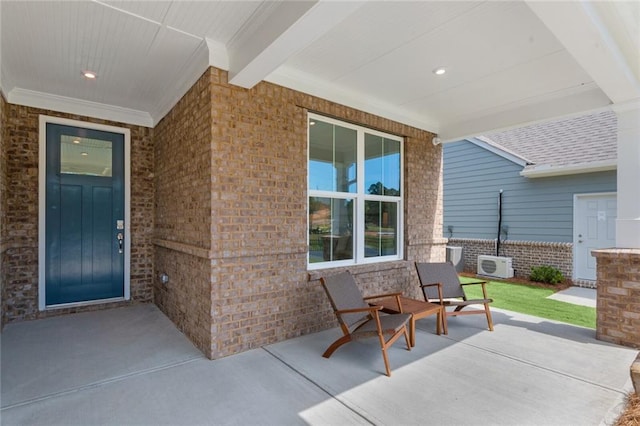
{"x":84,"y":242}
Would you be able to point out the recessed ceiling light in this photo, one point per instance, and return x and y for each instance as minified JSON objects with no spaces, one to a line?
{"x":439,"y":70}
{"x":84,"y":154}
{"x":90,"y":75}
{"x":76,"y":141}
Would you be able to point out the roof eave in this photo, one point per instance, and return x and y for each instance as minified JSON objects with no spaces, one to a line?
{"x":491,"y":146}
{"x":548,"y":170}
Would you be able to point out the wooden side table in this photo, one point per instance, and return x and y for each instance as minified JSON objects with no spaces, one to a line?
{"x":417,"y":308}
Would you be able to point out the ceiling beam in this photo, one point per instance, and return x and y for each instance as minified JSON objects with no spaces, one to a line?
{"x":546,"y":109}
{"x":580,"y":28}
{"x":278,"y":31}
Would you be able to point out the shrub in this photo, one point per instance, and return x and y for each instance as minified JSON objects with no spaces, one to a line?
{"x":546,"y":274}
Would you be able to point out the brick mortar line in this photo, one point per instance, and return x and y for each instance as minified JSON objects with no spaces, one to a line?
{"x":213,"y":255}
{"x":11,"y":245}
{"x":184,"y":248}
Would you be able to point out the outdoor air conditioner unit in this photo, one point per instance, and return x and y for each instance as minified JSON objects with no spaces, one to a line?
{"x":495,"y":266}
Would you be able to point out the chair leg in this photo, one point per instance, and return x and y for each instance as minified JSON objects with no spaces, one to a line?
{"x":335,"y":345}
{"x":445,"y":328}
{"x":411,"y":341}
{"x":489,"y":319}
{"x":412,"y":332}
{"x":386,"y":361}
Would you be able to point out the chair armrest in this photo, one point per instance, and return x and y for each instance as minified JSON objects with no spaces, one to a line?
{"x":430,"y":285}
{"x":356,"y":310}
{"x":396,"y":295}
{"x":474,"y":282}
{"x":422,"y":286}
{"x":484,"y":287}
{"x":380,"y":296}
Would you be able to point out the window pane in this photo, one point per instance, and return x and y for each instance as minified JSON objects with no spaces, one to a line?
{"x":330,"y":229}
{"x":382,"y":165}
{"x":381,"y":228}
{"x":332,"y":157}
{"x":84,"y":156}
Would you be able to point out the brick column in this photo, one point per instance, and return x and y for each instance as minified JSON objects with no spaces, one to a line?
{"x":618,"y":304}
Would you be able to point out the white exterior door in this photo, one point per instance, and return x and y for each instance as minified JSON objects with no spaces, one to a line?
{"x":594,"y":227}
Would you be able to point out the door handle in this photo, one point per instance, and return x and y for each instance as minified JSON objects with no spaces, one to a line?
{"x":120,"y":238}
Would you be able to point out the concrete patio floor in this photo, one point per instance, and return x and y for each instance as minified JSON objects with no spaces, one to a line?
{"x":132,"y":366}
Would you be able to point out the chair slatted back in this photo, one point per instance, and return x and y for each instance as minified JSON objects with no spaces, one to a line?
{"x":444,"y":273}
{"x":344,"y":293}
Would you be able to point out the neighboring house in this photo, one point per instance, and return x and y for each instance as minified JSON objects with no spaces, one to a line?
{"x":558,"y":183}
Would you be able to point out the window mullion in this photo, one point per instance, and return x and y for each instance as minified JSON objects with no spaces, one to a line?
{"x":359,"y":213}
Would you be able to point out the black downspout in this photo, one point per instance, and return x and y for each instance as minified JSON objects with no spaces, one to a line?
{"x":499,"y":222}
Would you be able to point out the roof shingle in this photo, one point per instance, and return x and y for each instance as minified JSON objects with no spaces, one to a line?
{"x":578,"y":140}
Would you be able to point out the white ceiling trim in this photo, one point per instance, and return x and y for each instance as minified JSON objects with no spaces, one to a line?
{"x":512,"y":116}
{"x":280,"y":30}
{"x":126,"y":12}
{"x":218,"y":55}
{"x":591,"y":44}
{"x":187,"y":77}
{"x":48,"y":101}
{"x":305,"y":83}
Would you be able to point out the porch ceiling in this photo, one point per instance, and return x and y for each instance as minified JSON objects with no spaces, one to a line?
{"x":508,"y":63}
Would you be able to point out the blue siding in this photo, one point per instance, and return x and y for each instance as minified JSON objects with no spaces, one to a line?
{"x":539,"y":209}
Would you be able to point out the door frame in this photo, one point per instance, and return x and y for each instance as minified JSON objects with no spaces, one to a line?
{"x":42,"y":189}
{"x":575,"y":220}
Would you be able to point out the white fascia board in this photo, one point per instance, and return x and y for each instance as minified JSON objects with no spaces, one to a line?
{"x":548,"y":170}
{"x":48,"y":101}
{"x":305,"y":83}
{"x":508,"y":117}
{"x":500,"y":152}
{"x":582,"y":31}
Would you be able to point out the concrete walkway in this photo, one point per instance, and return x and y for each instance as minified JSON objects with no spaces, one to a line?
{"x":577,"y":296}
{"x":132,"y":366}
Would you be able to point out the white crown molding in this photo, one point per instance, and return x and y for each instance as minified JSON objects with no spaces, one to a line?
{"x":68,"y":105}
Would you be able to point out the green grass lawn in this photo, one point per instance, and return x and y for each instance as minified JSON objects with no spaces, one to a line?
{"x":532,"y":300}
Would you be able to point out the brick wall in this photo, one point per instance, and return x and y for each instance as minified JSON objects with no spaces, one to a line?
{"x":4,"y":177}
{"x":618,"y":296}
{"x":183,"y":230}
{"x":260,"y":290}
{"x":525,"y":254}
{"x":20,"y":261}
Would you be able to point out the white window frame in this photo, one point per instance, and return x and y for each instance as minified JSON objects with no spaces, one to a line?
{"x":360,"y":196}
